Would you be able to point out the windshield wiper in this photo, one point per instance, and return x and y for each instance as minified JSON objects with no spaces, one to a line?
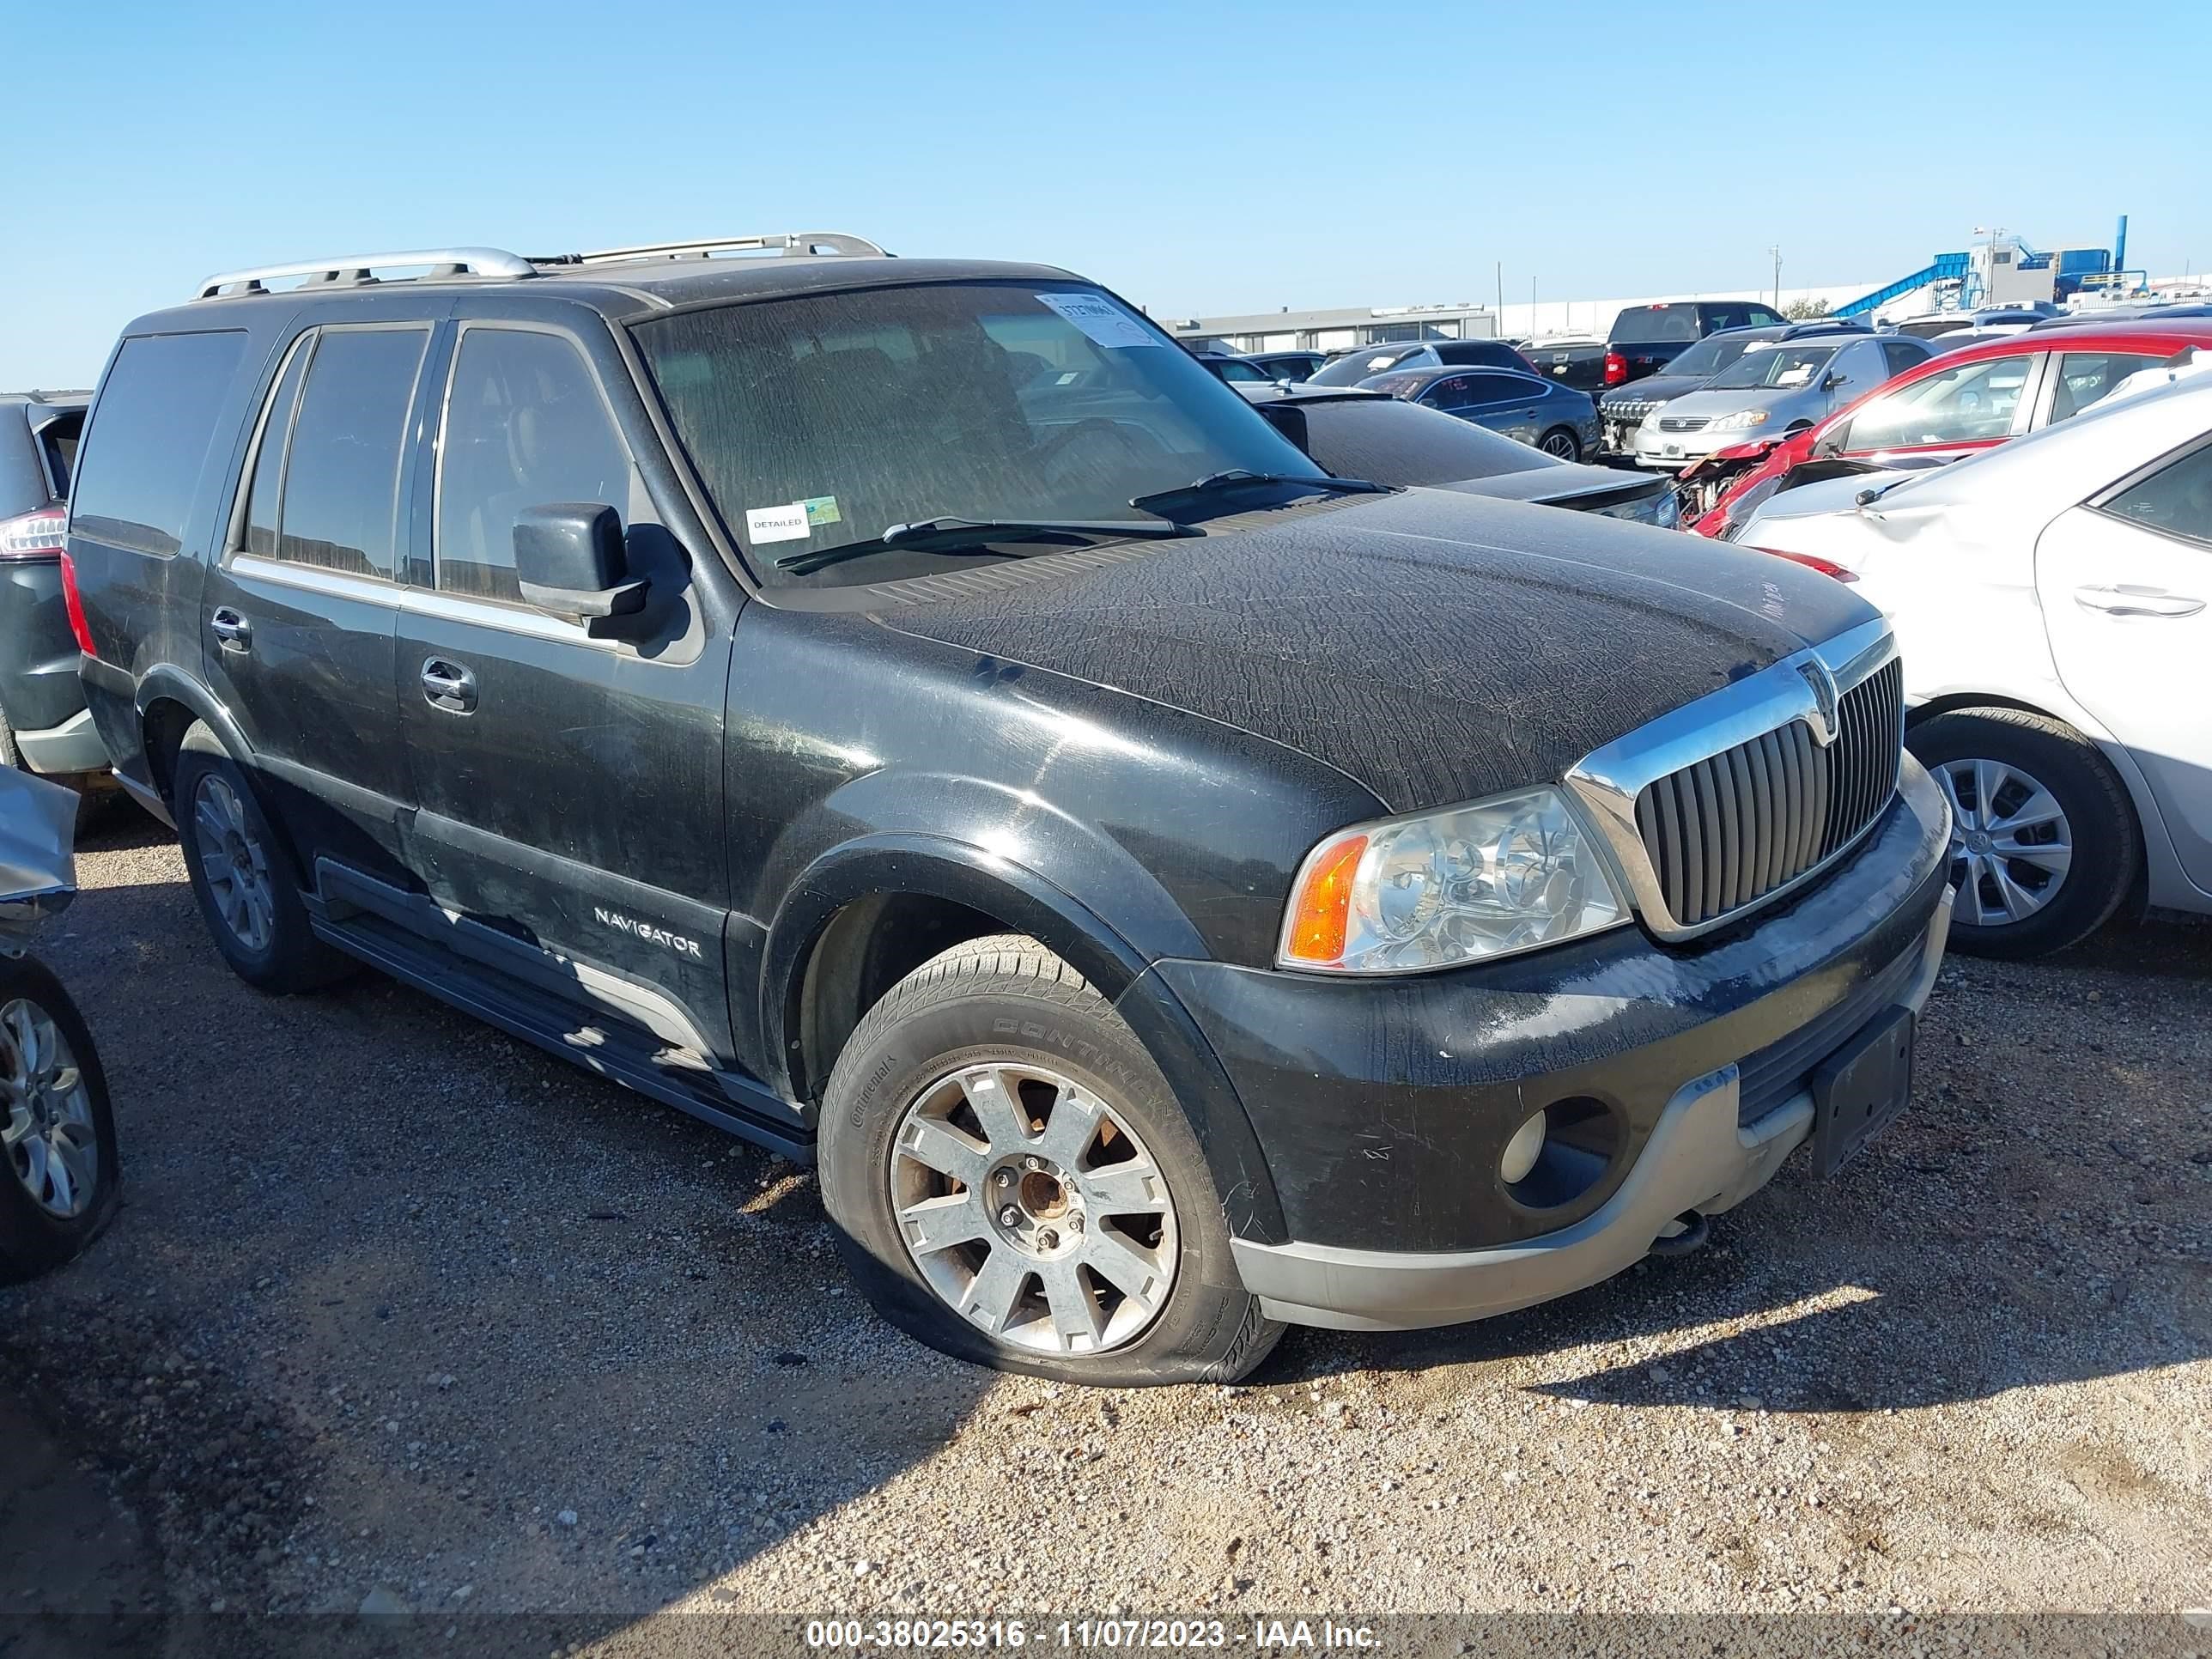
{"x":1237,"y":477}
{"x":957,"y":535}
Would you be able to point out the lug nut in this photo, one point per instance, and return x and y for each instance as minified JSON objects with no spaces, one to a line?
{"x":1009,"y":1217}
{"x":1004,"y":1178}
{"x":1048,"y":1240}
{"x":1032,"y":1164}
{"x":1075,"y":1222}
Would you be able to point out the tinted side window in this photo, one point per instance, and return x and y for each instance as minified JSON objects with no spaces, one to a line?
{"x":2176,"y":500}
{"x":2085,"y":377}
{"x":269,"y":454}
{"x":58,"y":438}
{"x":1451,"y":393}
{"x":156,"y":422}
{"x":1497,"y":389}
{"x":341,"y":503}
{"x":1900,"y":357}
{"x":524,"y":427}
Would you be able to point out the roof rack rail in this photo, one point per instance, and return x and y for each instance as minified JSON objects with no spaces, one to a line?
{"x":793,"y":242}
{"x":361,"y":268}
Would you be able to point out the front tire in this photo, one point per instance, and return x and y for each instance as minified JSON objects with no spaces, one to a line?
{"x":2043,"y":842}
{"x":62,"y":1176}
{"x":1013,"y":1182}
{"x":240,"y":875}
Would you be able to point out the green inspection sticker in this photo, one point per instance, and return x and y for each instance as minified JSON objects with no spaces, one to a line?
{"x":821,"y":509}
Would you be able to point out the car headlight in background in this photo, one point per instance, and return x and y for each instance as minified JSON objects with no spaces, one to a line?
{"x":1662,"y":507}
{"x":1439,"y":889}
{"x":1737,"y":422}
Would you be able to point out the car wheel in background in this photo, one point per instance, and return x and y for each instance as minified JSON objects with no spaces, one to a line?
{"x":2043,"y":839}
{"x":1562,"y":443}
{"x":240,"y":875}
{"x":56,"y":1130}
{"x":1013,"y":1182}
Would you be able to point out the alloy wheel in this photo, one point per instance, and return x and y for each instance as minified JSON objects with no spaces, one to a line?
{"x":1559,"y":444}
{"x":51,"y":1139}
{"x":235,"y":863}
{"x":2011,"y":845}
{"x":1033,"y":1210}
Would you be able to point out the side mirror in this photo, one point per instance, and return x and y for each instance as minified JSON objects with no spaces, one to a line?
{"x":568,"y":558}
{"x":1833,"y":380}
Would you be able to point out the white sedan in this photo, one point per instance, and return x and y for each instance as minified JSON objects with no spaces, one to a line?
{"x":2053,"y":605}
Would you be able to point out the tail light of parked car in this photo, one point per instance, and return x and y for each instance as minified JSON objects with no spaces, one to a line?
{"x":39,"y":534}
{"x":1810,"y":561}
{"x":43,"y":533}
{"x":1616,"y":369}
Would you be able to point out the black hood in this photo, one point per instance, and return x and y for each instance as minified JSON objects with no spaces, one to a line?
{"x":1435,"y":647}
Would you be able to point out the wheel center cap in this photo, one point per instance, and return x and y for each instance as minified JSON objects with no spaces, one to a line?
{"x":1037,"y":1208}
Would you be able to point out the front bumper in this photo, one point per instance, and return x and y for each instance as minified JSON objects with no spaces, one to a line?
{"x":1383,"y":1106}
{"x":1670,"y":451}
{"x":1700,"y":1157}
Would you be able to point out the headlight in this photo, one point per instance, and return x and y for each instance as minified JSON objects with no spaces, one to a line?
{"x":1737,"y":422}
{"x":1444,"y":888}
{"x":1662,"y":507}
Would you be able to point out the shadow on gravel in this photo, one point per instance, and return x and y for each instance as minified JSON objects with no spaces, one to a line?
{"x":2038,"y":1216}
{"x":396,"y":1307}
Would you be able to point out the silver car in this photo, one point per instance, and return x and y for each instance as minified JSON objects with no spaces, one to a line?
{"x":1773,"y":389}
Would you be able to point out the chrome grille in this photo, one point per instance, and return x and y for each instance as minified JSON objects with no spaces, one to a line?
{"x":1726,"y":831}
{"x":1682,"y":422}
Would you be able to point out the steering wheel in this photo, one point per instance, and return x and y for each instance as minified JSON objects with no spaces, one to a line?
{"x":1094,"y":425}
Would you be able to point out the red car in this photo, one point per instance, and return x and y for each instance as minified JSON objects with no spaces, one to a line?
{"x":1951,"y":405}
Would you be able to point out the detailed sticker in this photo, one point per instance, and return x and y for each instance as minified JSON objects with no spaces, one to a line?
{"x":786,"y":523}
{"x":821,"y":510}
{"x":1101,"y":319}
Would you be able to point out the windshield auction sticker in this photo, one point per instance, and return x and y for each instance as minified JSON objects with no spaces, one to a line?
{"x":788,"y":523}
{"x":1101,"y":319}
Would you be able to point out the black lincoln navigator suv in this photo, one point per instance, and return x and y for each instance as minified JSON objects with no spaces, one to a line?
{"x":908,"y":713}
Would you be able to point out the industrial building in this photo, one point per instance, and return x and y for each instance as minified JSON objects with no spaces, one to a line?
{"x":2002,"y":270}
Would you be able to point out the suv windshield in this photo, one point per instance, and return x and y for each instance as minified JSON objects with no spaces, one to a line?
{"x":1709,"y":355}
{"x":1654,"y":326}
{"x":822,"y":421}
{"x":1783,"y":367}
{"x":1356,"y":366}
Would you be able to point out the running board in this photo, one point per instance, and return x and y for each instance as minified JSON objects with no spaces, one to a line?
{"x":627,"y":1055}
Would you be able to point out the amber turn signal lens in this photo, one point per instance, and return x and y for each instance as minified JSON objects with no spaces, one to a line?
{"x":1320,"y":910}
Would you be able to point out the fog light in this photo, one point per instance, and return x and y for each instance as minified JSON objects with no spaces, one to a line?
{"x":1521,"y":1151}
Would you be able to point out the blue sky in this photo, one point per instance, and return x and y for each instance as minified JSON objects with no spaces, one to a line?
{"x":1199,"y":158}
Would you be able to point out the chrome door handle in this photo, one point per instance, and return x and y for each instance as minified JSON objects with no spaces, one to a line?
{"x":232,"y":628}
{"x":2121,"y":599}
{"x":449,"y":686}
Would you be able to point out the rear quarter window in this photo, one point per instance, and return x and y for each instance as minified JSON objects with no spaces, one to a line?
{"x":143,"y":453}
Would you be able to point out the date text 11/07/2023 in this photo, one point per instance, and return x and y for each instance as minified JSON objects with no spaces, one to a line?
{"x":1261,"y":1635}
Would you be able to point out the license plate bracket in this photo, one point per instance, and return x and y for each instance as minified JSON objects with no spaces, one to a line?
{"x":1858,"y":1090}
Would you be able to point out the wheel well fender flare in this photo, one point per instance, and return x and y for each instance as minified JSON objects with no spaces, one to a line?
{"x":1023,"y":900}
{"x":167,"y":684}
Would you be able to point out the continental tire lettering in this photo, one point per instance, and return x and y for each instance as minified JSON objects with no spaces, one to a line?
{"x":650,"y":933}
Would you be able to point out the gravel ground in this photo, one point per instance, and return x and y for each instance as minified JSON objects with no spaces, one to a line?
{"x":400,"y":1314}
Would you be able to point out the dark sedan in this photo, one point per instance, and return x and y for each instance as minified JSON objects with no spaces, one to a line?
{"x":1555,"y":419}
{"x":1368,"y":435}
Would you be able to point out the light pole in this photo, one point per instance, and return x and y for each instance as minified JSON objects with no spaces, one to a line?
{"x":1777,"y":252}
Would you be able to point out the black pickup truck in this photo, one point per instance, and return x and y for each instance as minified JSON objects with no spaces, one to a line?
{"x":1645,"y":339}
